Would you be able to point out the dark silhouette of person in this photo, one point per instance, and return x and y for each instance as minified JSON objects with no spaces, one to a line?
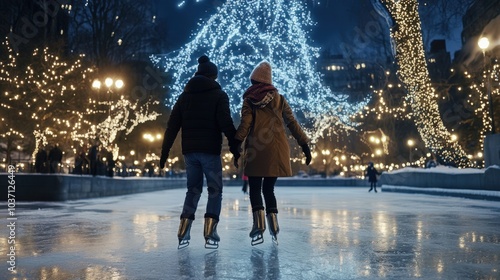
{"x":149,"y":168}
{"x":110,"y":167}
{"x":55,"y":158}
{"x":80,"y":162}
{"x":41,"y":161}
{"x":372,"y":173}
{"x":202,"y":112}
{"x":94,"y":157}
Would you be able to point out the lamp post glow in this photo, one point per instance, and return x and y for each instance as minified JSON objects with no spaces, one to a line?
{"x":96,"y":84}
{"x":109,"y":83}
{"x":483,"y":44}
{"x":119,"y":84}
{"x":326,"y":161}
{"x":411,"y":143}
{"x":454,"y":137}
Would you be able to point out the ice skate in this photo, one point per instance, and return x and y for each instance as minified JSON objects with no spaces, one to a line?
{"x":274,"y":228}
{"x":184,"y":232}
{"x":210,"y":233}
{"x":259,"y":226}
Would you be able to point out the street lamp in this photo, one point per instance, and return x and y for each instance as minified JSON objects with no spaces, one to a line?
{"x":483,"y":44}
{"x":326,"y":162}
{"x":454,"y":137}
{"x":108,"y":82}
{"x":96,"y":84}
{"x":410,"y":143}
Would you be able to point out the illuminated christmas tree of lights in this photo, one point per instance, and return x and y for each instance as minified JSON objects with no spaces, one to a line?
{"x":407,"y":35}
{"x":243,"y":33}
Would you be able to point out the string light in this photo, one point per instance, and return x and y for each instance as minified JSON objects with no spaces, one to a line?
{"x":243,"y":33}
{"x":407,"y":35}
{"x":50,"y":99}
{"x":480,"y":101}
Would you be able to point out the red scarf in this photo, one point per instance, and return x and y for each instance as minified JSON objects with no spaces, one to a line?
{"x":258,"y":91}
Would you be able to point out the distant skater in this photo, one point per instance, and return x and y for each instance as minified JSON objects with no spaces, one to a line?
{"x":372,"y":173}
{"x":245,"y":183}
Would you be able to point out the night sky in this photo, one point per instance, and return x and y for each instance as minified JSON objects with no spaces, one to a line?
{"x":336,"y":19}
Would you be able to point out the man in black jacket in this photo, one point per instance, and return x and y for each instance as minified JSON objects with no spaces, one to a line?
{"x":202,"y":112}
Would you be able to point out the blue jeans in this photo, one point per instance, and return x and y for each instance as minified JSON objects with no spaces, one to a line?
{"x":197,"y":165}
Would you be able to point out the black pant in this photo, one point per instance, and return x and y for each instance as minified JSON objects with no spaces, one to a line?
{"x":264,"y":185}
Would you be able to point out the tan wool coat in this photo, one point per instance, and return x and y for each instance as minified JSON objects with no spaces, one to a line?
{"x":266,"y":150}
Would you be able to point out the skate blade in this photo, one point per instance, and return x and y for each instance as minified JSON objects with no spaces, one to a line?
{"x":275,"y":240}
{"x":258,"y":239}
{"x":211,"y":244}
{"x":183,"y":244}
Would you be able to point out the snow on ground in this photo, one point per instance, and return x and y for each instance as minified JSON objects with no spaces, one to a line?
{"x":444,"y":169}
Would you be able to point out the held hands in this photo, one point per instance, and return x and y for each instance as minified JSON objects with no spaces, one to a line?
{"x":307,"y":153}
{"x":235,"y":150}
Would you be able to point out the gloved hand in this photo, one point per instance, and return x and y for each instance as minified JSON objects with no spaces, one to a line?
{"x":235,"y":149}
{"x":163,"y":160}
{"x":307,"y":153}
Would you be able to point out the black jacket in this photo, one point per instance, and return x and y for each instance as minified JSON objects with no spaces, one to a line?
{"x":202,"y":111}
{"x":372,"y":173}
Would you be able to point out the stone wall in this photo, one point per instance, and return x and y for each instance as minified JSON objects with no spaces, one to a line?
{"x":60,"y":187}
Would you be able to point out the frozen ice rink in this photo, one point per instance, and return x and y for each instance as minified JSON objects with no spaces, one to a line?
{"x":326,"y":233}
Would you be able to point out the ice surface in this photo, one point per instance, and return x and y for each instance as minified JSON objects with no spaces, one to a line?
{"x":325,"y":233}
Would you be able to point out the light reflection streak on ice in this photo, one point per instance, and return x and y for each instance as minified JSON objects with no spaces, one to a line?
{"x":385,"y":230}
{"x":90,"y":273}
{"x":418,"y":249}
{"x":146,"y":227}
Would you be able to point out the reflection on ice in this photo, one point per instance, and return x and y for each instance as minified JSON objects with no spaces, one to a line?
{"x":325,"y":233}
{"x":146,"y":228}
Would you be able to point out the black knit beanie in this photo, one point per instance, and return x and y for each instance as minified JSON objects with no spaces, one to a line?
{"x":206,"y":68}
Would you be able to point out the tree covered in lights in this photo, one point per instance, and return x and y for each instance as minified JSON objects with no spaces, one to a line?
{"x":41,"y":93}
{"x":407,"y":35}
{"x":47,"y":100}
{"x":243,"y":33}
{"x":478,"y":98}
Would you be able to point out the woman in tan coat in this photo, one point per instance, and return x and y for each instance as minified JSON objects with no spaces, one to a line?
{"x":264,"y":115}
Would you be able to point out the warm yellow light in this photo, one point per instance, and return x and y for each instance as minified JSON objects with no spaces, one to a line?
{"x":483,"y":43}
{"x":96,"y":84}
{"x":108,"y":82}
{"x":411,"y":142}
{"x":132,"y":152}
{"x":119,"y":84}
